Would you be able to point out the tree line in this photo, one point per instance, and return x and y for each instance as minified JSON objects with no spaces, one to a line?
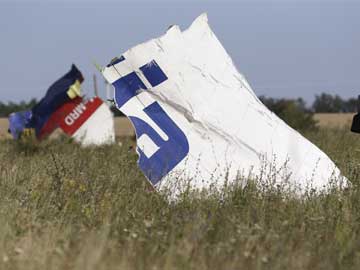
{"x":323,"y":103}
{"x":9,"y":107}
{"x":299,"y":116}
{"x":295,"y":112}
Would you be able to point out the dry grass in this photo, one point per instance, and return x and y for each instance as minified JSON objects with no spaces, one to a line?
{"x":4,"y":125}
{"x":334,"y":120}
{"x":64,"y":207}
{"x":123,"y":128}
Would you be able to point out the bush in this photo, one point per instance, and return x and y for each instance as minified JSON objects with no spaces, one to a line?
{"x":10,"y":107}
{"x":326,"y":103}
{"x":292,"y":111}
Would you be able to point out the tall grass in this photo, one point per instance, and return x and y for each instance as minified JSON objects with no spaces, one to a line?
{"x":65,"y":207}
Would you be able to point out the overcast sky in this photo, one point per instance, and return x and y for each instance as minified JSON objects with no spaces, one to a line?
{"x":284,"y":48}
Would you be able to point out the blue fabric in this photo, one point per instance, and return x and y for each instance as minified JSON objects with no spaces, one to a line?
{"x":18,"y":121}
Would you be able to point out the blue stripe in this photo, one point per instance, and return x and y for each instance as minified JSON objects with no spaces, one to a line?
{"x":153,"y":73}
{"x":127,"y":87}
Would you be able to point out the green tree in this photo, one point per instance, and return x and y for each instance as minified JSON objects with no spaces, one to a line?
{"x":292,"y":111}
{"x":7,"y":108}
{"x":327,"y":103}
{"x":351,"y":105}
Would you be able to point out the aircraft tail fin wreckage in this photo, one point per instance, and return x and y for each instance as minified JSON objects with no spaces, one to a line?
{"x":197,"y":118}
{"x":88,"y":121}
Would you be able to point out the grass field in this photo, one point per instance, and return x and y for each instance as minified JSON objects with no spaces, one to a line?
{"x":64,"y":207}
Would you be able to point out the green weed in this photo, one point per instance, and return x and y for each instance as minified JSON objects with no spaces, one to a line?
{"x":67,"y":207}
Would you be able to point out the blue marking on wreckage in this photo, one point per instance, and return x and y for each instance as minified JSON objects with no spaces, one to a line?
{"x":172,"y":151}
{"x":153,"y":73}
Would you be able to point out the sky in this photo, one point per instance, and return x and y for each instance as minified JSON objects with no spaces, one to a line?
{"x":285,"y":48}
